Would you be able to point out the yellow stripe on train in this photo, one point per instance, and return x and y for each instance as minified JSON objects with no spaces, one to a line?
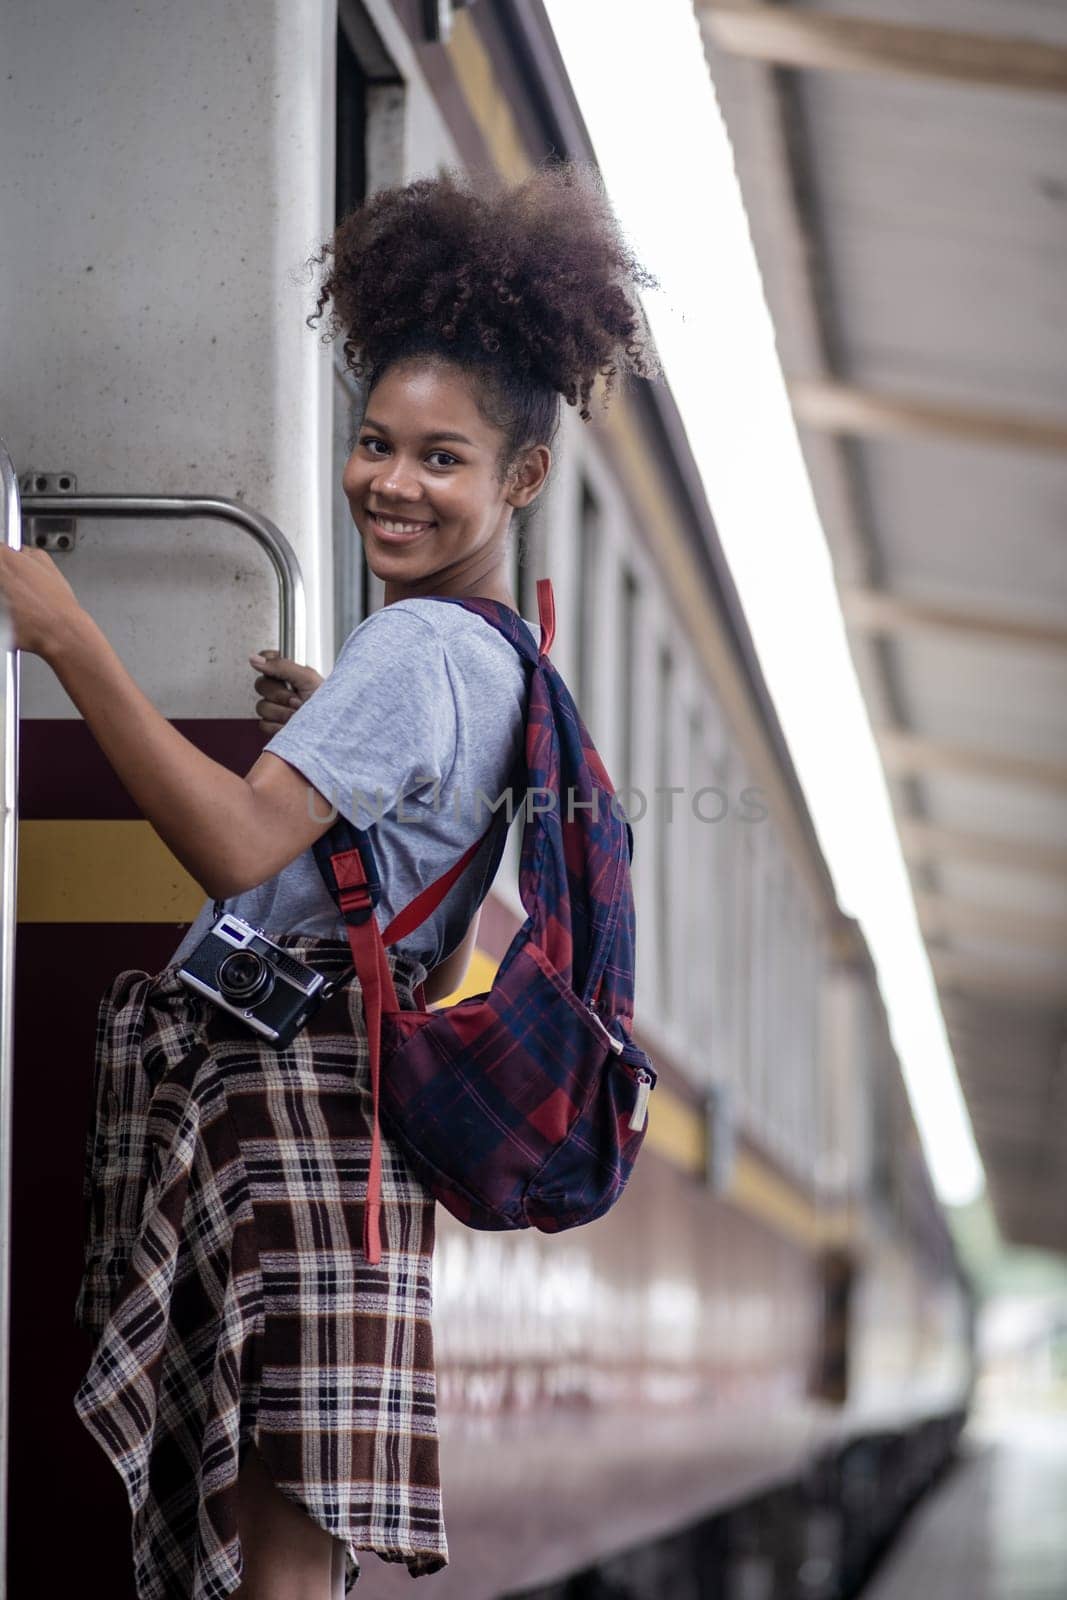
{"x":101,"y":871}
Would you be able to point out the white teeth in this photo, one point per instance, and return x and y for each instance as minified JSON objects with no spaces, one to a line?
{"x":391,"y":526}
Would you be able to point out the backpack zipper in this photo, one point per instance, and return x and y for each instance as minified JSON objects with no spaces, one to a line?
{"x":642,"y":1078}
{"x":616,"y":1044}
{"x":640,"y":1111}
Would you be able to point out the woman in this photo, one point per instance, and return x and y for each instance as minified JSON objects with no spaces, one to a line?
{"x":266,"y":1394}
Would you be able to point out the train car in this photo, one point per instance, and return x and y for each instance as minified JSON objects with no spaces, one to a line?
{"x":734,"y":1381}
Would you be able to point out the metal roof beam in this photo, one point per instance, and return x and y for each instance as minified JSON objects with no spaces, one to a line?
{"x":847,"y":408}
{"x":1008,"y":1117}
{"x":823,"y":41}
{"x":922,"y":840}
{"x":910,"y":753}
{"x":938,"y":914}
{"x":961,"y":972}
{"x":875,"y":611}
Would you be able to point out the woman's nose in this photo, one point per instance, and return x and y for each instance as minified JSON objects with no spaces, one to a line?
{"x":396,"y":481}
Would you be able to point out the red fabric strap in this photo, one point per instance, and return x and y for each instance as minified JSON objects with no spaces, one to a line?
{"x":376,"y":980}
{"x":368,"y":942}
{"x":546,"y":613}
{"x":426,"y":902}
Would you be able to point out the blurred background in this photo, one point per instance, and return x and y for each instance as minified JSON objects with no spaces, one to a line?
{"x":814,"y":581}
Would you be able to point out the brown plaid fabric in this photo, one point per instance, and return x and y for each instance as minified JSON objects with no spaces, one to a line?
{"x":227,"y":1292}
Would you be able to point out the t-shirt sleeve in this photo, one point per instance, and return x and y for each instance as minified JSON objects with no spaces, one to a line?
{"x":382,"y":727}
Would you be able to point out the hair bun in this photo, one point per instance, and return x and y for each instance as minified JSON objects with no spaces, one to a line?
{"x":535,"y":277}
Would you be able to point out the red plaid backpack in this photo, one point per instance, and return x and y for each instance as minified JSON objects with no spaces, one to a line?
{"x":525,"y":1106}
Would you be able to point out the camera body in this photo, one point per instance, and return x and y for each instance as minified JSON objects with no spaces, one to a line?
{"x":266,"y":988}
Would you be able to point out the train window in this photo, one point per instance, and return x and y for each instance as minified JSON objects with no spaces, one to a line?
{"x":805,"y":1067}
{"x":789,"y":1045}
{"x":694,"y":941}
{"x":744,"y":877}
{"x":526,"y":565}
{"x":519,"y":564}
{"x":587,"y":641}
{"x":759,"y":993}
{"x":369,"y":113}
{"x":784,"y":1049}
{"x":662,"y":832}
{"x":794,"y":1052}
{"x":806,"y":990}
{"x":526,"y":557}
{"x":349,"y":568}
{"x":626,"y":680}
{"x":722,"y":833}
{"x":350,"y":175}
{"x":352,"y":599}
{"x":792,"y":1045}
{"x":771,"y":1065}
{"x":701,"y":942}
{"x":814,"y":946}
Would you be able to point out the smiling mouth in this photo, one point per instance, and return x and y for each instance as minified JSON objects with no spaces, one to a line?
{"x":398,"y":528}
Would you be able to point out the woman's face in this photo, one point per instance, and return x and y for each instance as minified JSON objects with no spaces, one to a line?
{"x":421,"y":483}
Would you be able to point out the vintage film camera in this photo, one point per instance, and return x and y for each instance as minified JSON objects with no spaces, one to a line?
{"x":242,"y":971}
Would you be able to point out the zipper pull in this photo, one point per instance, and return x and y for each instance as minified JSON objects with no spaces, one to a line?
{"x":640,"y":1111}
{"x":616,"y":1044}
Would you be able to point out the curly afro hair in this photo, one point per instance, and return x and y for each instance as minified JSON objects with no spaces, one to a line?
{"x":528,"y":287}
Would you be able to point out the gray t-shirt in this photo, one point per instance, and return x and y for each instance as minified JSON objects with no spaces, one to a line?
{"x":418,"y":729}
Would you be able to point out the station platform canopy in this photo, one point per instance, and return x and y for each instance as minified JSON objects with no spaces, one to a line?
{"x":904,"y":169}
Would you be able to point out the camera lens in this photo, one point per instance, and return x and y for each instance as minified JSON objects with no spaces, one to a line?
{"x":244,"y":977}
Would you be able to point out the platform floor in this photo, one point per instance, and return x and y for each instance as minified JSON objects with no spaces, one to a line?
{"x":995,"y":1528}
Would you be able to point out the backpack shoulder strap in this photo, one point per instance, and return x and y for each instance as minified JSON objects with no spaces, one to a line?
{"x":509,"y":622}
{"x":334,"y":851}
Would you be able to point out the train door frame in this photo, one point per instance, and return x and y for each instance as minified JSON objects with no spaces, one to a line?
{"x":369,"y":128}
{"x":9,"y":712}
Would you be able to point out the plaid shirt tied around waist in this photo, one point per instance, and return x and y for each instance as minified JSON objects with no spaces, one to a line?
{"x":227,"y":1293}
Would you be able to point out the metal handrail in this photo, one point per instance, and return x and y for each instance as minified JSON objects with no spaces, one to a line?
{"x":292,"y":624}
{"x":292,"y":641}
{"x":9,"y":712}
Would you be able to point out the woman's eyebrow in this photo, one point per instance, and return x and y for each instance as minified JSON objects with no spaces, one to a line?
{"x":460,"y":438}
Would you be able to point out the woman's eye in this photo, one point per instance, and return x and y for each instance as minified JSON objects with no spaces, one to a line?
{"x":369,"y":439}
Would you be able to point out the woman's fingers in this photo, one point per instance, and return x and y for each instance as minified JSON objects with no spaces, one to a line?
{"x":304,"y":680}
{"x":266,"y":660}
{"x":271,"y":715}
{"x":282,"y":685}
{"x":275,"y":704}
{"x":277,"y":690}
{"x":36,"y":599}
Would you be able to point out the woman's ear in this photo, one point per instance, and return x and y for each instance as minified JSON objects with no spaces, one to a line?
{"x":528,"y":476}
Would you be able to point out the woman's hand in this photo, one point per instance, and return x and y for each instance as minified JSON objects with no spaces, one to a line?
{"x":283,"y":686}
{"x":38,"y":601}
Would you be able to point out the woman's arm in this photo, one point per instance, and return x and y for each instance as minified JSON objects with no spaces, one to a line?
{"x":229,"y":832}
{"x":452,"y":970}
